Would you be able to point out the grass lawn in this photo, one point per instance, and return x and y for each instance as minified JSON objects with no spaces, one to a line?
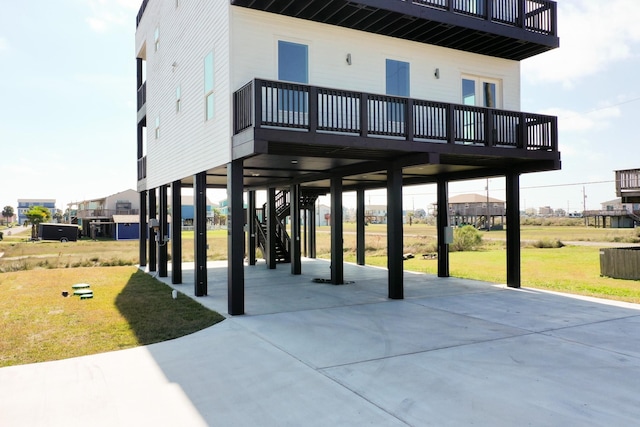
{"x":129,"y":308}
{"x":571,"y":269}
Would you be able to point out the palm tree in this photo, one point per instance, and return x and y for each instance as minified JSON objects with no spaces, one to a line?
{"x":7,"y":213}
{"x":36,"y":215}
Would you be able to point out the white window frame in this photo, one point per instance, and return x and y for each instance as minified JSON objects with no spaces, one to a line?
{"x":479,"y":85}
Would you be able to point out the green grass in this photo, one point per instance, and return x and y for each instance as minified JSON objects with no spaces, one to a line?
{"x":129,"y":308}
{"x":571,"y":269}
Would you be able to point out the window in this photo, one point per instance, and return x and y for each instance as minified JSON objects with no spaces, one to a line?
{"x":157,"y":131}
{"x":293,"y":66}
{"x":481,"y":92}
{"x":178,"y":99}
{"x":397,"y":78}
{"x":397,"y":84}
{"x":478,"y":92}
{"x":293,"y":62}
{"x":209,"y":83}
{"x":156,"y":39}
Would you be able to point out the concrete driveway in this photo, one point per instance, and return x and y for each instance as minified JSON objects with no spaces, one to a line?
{"x":453,"y":352}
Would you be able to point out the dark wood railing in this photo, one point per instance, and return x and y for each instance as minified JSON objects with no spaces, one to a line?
{"x":627,"y":180}
{"x":141,"y":12}
{"x":538,"y":16}
{"x":142,"y":168}
{"x":314,"y":109}
{"x":142,"y":95}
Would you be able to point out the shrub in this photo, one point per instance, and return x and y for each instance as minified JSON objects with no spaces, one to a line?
{"x":466,"y":238}
{"x":547,"y":243}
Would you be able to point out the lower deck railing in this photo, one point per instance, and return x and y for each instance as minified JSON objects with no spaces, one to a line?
{"x":263,"y":103}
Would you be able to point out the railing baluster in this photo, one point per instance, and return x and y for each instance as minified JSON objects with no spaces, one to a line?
{"x":313,"y":109}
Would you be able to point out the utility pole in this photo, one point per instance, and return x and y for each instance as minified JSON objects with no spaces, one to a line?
{"x":488,"y":225}
{"x":584,"y":207}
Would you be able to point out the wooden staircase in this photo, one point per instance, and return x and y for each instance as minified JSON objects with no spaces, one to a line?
{"x":282,"y":238}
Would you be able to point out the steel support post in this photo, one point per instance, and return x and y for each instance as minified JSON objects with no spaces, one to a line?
{"x":513,"y":229}
{"x":153,"y":249}
{"x":176,"y":232}
{"x":360,"y":227}
{"x":200,"y":234}
{"x":271,"y":228}
{"x":235,"y":240}
{"x":143,"y":229}
{"x":442,"y":222}
{"x":337,"y":252}
{"x":295,"y":247}
{"x":251,"y":225}
{"x":163,"y":252}
{"x":395,"y":241}
{"x":312,"y":232}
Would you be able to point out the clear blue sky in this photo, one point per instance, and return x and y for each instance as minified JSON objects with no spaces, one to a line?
{"x":67,"y":120}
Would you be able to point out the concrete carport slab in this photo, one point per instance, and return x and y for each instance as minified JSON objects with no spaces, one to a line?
{"x":453,"y":352}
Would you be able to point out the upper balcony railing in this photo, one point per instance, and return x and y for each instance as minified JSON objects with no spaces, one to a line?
{"x":510,"y":29}
{"x":105,"y":213}
{"x":141,"y":12}
{"x":628,"y":181}
{"x":142,"y":95}
{"x":271,"y":104}
{"x":142,"y":168}
{"x":533,"y":15}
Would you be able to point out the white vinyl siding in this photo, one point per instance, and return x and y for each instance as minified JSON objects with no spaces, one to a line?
{"x":190,"y":143}
{"x":254,"y":54}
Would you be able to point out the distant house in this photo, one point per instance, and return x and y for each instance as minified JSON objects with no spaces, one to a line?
{"x":25,"y":204}
{"x":623,"y":212}
{"x":375,"y":214}
{"x":187,"y":210}
{"x":616,"y":214}
{"x":126,"y":227}
{"x":474,"y":209}
{"x":96,"y":216}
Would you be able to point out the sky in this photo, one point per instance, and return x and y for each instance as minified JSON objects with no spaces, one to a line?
{"x":68,"y":116}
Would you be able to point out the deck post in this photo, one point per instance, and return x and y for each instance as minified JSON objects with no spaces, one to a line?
{"x":442,"y":222}
{"x":153,"y":249}
{"x":360,"y":227}
{"x":395,"y":241}
{"x":176,"y":232}
{"x":337,"y":253}
{"x":513,"y":229}
{"x":294,"y":209}
{"x":144,"y":230}
{"x":312,"y":231}
{"x":200,"y":234}
{"x":271,"y":228}
{"x":163,"y":251}
{"x":251,"y":225}
{"x":235,"y":239}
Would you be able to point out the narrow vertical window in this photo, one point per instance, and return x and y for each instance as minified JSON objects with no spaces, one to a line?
{"x":489,"y":92}
{"x":397,"y":84}
{"x":157,"y":131}
{"x":398,"y":77}
{"x":468,"y":92}
{"x":481,"y":92}
{"x":293,"y":62}
{"x":209,"y":83}
{"x":178,"y":99}
{"x":293,"y":66}
{"x":156,"y":39}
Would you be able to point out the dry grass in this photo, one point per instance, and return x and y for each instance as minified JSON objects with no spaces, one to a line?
{"x":129,"y":308}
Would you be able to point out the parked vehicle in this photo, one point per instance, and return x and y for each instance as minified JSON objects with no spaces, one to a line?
{"x":61,"y":232}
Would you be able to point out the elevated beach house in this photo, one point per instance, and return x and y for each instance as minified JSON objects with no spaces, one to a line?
{"x":294,"y":99}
